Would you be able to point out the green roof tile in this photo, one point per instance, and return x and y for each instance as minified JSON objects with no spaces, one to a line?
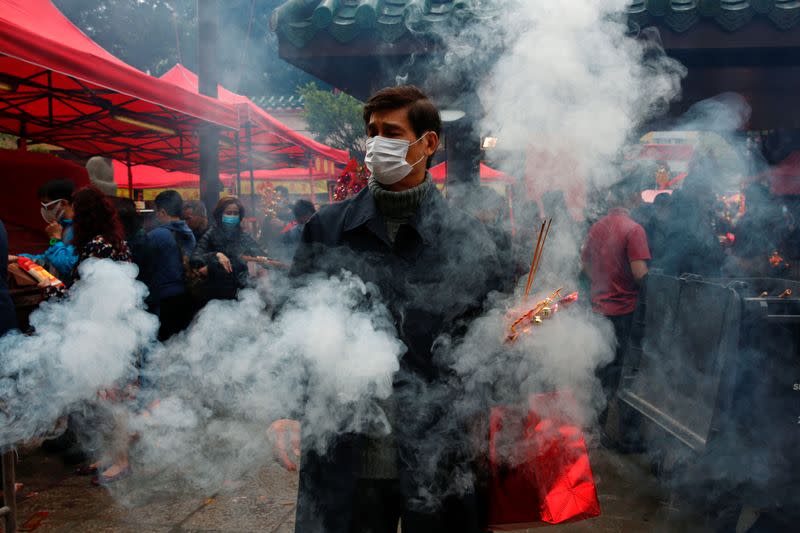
{"x":299,"y":21}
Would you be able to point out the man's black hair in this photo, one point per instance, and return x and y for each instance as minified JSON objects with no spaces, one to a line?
{"x":171,"y":202}
{"x":422,"y":114}
{"x":60,"y":189}
{"x":126,"y":211}
{"x":303,"y":209}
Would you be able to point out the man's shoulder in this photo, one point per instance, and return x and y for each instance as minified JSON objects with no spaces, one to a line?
{"x":161,"y":236}
{"x":331,"y":218}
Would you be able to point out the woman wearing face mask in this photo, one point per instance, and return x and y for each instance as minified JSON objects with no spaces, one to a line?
{"x":57,"y":211}
{"x":224,"y":250}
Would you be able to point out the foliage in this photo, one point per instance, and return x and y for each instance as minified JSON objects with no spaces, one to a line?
{"x":334,"y":118}
{"x":153,"y":35}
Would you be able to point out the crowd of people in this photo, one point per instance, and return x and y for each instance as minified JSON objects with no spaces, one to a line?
{"x":402,"y":235}
{"x":184,"y":259}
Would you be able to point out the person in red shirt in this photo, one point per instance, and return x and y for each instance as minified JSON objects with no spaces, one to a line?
{"x":614,"y":258}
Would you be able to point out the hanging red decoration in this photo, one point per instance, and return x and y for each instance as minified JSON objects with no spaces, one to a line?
{"x":351,"y":181}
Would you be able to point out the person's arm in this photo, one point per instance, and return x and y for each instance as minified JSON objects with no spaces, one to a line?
{"x":36,"y":258}
{"x":303,"y":261}
{"x":638,"y":253}
{"x":251,"y":247}
{"x":585,"y":262}
{"x":62,"y":256}
{"x":284,"y":433}
{"x":639,"y":270}
{"x":203,"y":253}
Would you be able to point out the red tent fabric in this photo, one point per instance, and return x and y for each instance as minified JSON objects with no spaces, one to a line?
{"x":276,"y":143}
{"x":21,"y":175}
{"x":147,"y":177}
{"x":785,"y":176}
{"x":59,"y":86}
{"x":488,"y":174}
{"x":282,"y":174}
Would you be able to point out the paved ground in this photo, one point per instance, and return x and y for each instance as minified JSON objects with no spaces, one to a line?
{"x":264,"y":501}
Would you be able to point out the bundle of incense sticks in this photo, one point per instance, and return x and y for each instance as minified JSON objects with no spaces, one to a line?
{"x":543,"y":308}
{"x":537,"y":254}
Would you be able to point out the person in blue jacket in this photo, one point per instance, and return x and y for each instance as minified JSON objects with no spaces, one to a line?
{"x":173,"y":244}
{"x":8,"y":318}
{"x":56,"y":208}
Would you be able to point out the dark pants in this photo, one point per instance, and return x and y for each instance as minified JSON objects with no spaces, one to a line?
{"x":176,"y":313}
{"x":379,"y":505}
{"x":611,"y":374}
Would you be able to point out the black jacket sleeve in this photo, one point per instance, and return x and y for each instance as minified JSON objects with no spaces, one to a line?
{"x":251,"y":247}
{"x":205,"y":251}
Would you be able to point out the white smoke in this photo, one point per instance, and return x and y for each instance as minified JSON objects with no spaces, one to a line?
{"x":86,"y":342}
{"x":568,"y":79}
{"x":328,"y":350}
{"x":572,"y":79}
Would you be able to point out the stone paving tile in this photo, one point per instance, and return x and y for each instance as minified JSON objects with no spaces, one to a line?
{"x":100,"y":526}
{"x":263,"y":501}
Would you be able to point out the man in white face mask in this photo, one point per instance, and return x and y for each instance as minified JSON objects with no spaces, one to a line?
{"x":434,"y":266}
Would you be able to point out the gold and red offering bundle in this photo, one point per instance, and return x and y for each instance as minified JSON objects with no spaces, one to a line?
{"x":549,"y":480}
{"x":545,"y":308}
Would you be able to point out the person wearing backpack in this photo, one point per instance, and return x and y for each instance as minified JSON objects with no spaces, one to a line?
{"x":173,"y":243}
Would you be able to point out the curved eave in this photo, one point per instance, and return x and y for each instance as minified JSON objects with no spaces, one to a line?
{"x":300,"y":21}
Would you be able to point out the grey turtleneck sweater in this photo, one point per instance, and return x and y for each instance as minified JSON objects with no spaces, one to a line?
{"x":397,"y":208}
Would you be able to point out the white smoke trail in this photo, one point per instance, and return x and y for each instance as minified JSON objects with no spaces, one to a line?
{"x":572,"y":79}
{"x":329,"y":351}
{"x":86,"y":342}
{"x":567,"y":79}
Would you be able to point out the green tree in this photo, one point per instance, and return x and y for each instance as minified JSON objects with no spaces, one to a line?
{"x":334,"y":118}
{"x":153,"y":35}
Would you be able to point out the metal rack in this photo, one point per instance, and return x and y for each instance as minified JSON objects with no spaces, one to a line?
{"x":709,"y":377}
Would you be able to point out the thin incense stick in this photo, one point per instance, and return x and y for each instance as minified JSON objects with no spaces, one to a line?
{"x":537,"y":255}
{"x":541,"y":250}
{"x":533,"y":262}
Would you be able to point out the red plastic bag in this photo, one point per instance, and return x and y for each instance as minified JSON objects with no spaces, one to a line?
{"x":539,"y":465}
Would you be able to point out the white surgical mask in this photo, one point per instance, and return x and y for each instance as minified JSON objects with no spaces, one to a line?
{"x":386,"y":158}
{"x":52,"y":211}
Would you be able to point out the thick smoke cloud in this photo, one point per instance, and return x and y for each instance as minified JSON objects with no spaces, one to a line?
{"x":329,"y":350}
{"x":567,"y":77}
{"x":84,"y":343}
{"x":573,"y":78}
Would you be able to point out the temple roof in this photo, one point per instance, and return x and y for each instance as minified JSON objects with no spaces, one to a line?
{"x":300,"y":21}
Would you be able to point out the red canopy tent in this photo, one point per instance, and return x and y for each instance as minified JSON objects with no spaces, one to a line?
{"x":59,"y":86}
{"x":488,"y":174}
{"x":152,"y":180}
{"x":275,"y":144}
{"x":147,"y":177}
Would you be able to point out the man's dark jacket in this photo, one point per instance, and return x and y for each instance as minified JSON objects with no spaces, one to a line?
{"x":434,"y":278}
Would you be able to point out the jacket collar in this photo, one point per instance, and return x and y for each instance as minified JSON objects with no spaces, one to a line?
{"x":426,"y":221}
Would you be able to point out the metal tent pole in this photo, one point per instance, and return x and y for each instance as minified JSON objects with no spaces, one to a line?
{"x":207,"y":74}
